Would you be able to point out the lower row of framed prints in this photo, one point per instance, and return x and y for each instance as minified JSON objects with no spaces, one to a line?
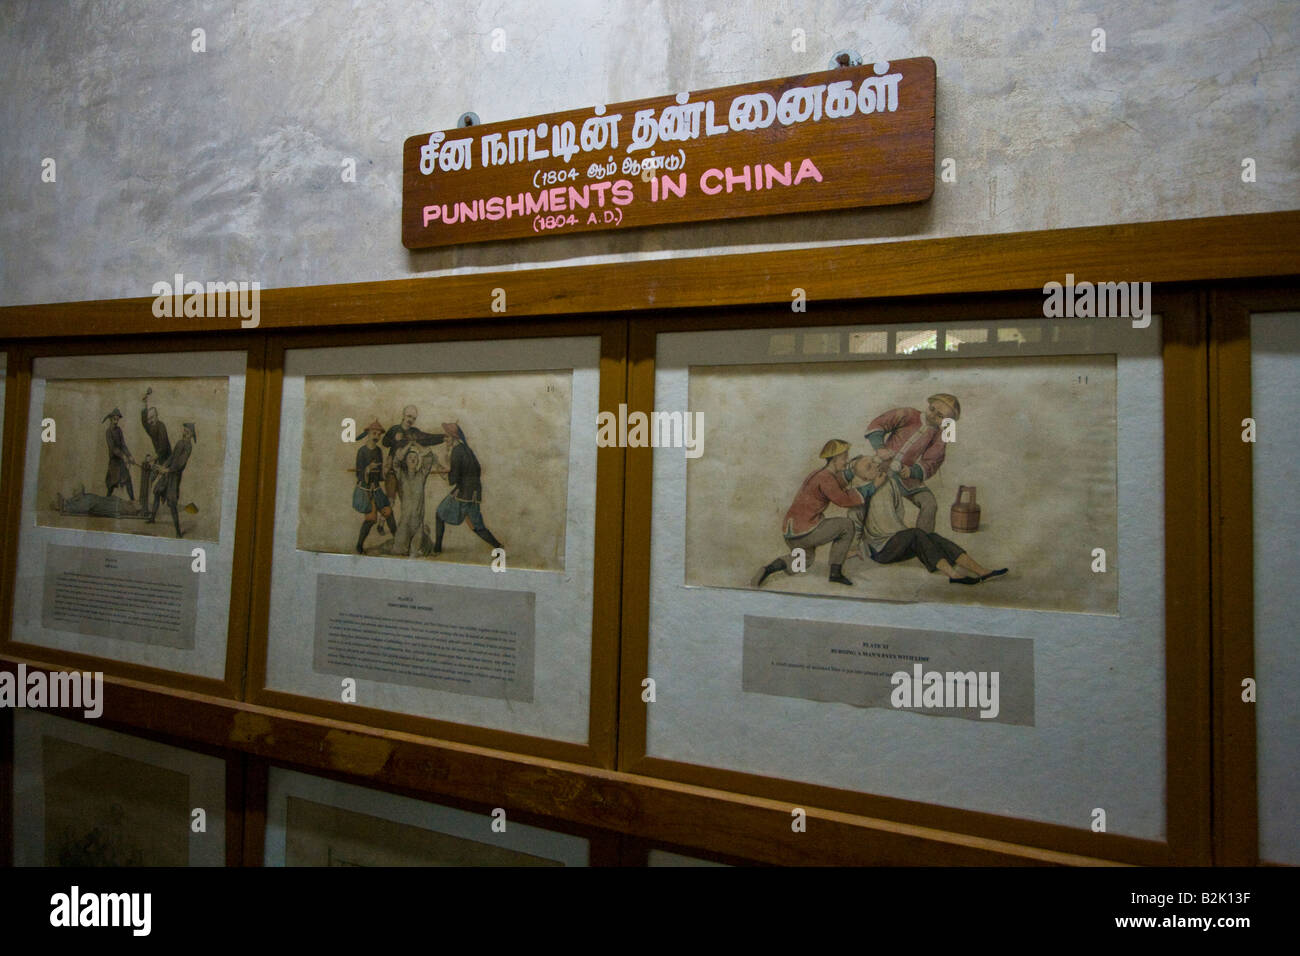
{"x":941,"y":568}
{"x":413,"y":530}
{"x":86,"y":796}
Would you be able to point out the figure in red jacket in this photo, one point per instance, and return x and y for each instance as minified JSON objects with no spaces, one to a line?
{"x":911,"y":442}
{"x":806,"y":525}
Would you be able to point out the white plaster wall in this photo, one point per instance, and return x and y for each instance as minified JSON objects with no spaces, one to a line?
{"x":226,"y":164}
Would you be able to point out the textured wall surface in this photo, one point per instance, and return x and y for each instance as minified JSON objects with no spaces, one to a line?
{"x":226,"y":164}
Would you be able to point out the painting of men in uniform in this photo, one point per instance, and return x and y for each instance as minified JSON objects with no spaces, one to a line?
{"x":876,"y":520}
{"x":806,"y":525}
{"x":911,"y":444}
{"x":162,"y":449}
{"x":164,"y":487}
{"x":462,"y":503}
{"x":171,"y":471}
{"x":369,"y":497}
{"x":873,"y":491}
{"x":492,"y":474}
{"x":119,"y":456}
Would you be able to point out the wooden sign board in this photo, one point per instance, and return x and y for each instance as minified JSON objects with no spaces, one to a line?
{"x":855,"y":136}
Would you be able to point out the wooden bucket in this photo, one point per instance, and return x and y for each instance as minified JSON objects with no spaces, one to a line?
{"x":965,"y":515}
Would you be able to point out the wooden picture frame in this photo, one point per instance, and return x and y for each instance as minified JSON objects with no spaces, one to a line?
{"x":598,"y":750}
{"x":230,"y":684}
{"x":1236,"y":797}
{"x":602,"y":847}
{"x":1186,"y":473}
{"x":223,"y":803}
{"x":9,"y":413}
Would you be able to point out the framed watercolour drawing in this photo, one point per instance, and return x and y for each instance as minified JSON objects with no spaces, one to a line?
{"x":914,"y":556}
{"x":89,"y":797}
{"x":130,"y":535}
{"x":1255,"y":356}
{"x":434,"y":561}
{"x":315,"y":821}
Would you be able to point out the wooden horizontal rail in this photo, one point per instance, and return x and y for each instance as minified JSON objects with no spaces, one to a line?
{"x":1222,"y":247}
